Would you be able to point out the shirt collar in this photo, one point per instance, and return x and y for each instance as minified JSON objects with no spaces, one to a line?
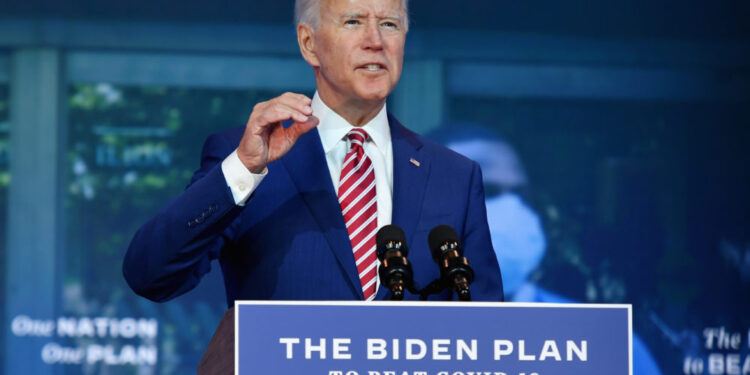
{"x":333,"y":128}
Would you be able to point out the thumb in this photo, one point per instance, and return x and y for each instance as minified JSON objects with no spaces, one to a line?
{"x":299,"y":128}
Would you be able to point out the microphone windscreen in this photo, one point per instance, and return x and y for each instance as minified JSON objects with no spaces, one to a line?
{"x":439,"y":236}
{"x":390,"y":233}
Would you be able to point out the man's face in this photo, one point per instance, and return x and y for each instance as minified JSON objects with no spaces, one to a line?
{"x":359,"y":46}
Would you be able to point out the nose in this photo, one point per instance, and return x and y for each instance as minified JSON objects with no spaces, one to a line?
{"x":373,"y":39}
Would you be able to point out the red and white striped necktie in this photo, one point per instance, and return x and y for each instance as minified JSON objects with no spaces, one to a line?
{"x":359,"y":207}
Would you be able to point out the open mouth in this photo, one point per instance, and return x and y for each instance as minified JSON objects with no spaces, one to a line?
{"x":373,"y":67}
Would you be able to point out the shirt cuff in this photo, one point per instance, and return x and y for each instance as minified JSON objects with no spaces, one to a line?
{"x":240,"y":180}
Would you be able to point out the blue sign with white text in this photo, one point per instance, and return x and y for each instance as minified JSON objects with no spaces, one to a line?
{"x":400,"y":338}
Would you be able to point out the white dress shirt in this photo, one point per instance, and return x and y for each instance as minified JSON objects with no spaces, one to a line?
{"x":332,"y":130}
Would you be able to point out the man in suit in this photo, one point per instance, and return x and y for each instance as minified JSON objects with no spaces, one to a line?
{"x":290,"y":203}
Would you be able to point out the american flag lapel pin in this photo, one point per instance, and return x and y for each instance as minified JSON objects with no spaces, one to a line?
{"x":414,"y":161}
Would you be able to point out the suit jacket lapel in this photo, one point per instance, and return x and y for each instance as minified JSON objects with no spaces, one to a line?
{"x":411,"y":168}
{"x":307,"y":167}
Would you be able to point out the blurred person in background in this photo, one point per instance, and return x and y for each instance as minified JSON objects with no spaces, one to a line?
{"x":516,"y":229}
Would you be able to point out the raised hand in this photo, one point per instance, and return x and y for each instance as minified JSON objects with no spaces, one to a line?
{"x":265,"y":139}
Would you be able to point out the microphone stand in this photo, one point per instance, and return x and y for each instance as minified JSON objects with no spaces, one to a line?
{"x":438,"y":285}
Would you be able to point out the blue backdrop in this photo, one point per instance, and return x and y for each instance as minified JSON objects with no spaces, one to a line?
{"x":612,"y":136}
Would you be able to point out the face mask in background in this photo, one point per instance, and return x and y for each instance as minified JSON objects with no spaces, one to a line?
{"x":517,"y":237}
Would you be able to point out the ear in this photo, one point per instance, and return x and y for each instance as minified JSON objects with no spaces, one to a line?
{"x":306,"y":41}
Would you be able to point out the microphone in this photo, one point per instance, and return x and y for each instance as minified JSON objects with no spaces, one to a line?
{"x":448,"y":254}
{"x":395,"y":270}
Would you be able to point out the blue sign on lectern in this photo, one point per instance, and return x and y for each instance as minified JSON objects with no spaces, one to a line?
{"x":429,"y":338}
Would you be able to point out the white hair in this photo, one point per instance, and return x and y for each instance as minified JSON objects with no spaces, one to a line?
{"x":308,"y":12}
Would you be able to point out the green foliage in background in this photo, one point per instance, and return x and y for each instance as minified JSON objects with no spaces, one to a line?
{"x":131,"y":150}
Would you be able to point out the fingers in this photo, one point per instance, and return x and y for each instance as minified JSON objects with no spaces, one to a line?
{"x":299,"y":128}
{"x":289,"y":106}
{"x":298,"y":101}
{"x":265,"y":140}
{"x":280,"y":112}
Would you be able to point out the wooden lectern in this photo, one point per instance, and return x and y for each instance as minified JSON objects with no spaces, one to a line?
{"x":219,"y":356}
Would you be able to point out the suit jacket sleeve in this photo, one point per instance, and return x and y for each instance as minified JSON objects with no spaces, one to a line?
{"x":171,"y":252}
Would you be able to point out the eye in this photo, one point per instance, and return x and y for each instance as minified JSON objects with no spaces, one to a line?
{"x":389,"y":24}
{"x":351,"y":22}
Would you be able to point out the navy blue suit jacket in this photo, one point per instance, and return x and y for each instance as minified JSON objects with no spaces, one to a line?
{"x":290,"y":240}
